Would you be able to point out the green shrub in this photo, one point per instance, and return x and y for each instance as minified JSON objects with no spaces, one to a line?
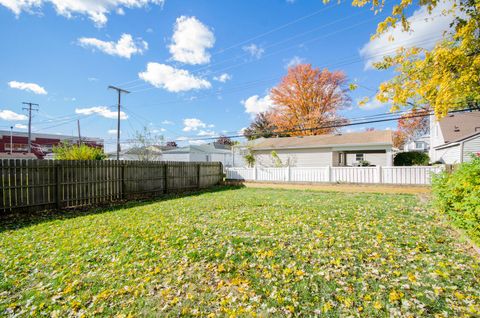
{"x":67,"y":151}
{"x":249,"y":159}
{"x":411,"y":158}
{"x":458,"y":195}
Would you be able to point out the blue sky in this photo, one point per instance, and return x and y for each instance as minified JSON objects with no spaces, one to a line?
{"x":194,"y":67}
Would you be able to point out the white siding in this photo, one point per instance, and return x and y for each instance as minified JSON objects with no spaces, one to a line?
{"x":376,"y":159}
{"x":448,"y":155}
{"x":224,"y":158}
{"x":295,"y":157}
{"x":471,"y":146}
{"x":176,"y":157}
{"x":196,"y":156}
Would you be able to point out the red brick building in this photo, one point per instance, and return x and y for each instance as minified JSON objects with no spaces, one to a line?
{"x":42,"y":144}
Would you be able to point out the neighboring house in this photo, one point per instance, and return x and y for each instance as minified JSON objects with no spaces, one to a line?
{"x":204,"y":153}
{"x":455,"y":137}
{"x":346,"y":149}
{"x":419,"y":143}
{"x":42,"y":144}
{"x":150,"y":153}
{"x":17,"y":155}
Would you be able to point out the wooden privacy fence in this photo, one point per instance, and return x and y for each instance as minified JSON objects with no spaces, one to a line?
{"x":32,"y":185}
{"x":420,"y":175}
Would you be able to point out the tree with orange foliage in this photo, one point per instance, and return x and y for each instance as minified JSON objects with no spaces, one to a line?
{"x":308,"y":98}
{"x":414,"y":123}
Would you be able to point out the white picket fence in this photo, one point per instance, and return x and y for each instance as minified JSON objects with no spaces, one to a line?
{"x":387,"y":175}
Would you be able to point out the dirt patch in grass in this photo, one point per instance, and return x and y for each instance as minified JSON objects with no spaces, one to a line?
{"x":352,"y":188}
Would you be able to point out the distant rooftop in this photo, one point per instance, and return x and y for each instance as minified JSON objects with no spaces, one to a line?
{"x":458,"y":126}
{"x":207,"y":148}
{"x":376,"y":137}
{"x":48,"y":136}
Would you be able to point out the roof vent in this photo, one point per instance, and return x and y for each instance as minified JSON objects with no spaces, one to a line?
{"x":456,"y":129}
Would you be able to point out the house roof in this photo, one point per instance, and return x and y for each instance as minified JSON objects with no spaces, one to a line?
{"x":207,"y":148}
{"x":458,"y":141}
{"x":456,"y":127}
{"x":376,"y":137}
{"x":17,"y":155}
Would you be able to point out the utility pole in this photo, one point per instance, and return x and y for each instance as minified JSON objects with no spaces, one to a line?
{"x":11,"y":140}
{"x":79,"y":136}
{"x":29,"y":108}
{"x":119,"y":91}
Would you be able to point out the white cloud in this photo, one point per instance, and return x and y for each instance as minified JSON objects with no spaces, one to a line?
{"x":190,"y":41}
{"x":294,"y":61}
{"x":426,"y":31}
{"x":210,"y":133}
{"x":172,"y":79}
{"x":125,"y":47}
{"x":254,"y":50}
{"x":96,"y":10}
{"x":9,"y":115}
{"x":92,"y":79}
{"x":256,"y":104}
{"x":167,"y":122}
{"x":102,"y":111}
{"x":372,"y":103}
{"x":112,"y":131}
{"x":223,"y":78}
{"x":193,"y":124}
{"x":21,"y":126}
{"x":32,"y":87}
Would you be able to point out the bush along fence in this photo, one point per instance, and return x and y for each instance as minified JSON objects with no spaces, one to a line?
{"x":34,"y":185}
{"x":416,"y":175}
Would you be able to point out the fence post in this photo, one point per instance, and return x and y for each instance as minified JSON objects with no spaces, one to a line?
{"x":198,"y":175}
{"x":288,"y":173}
{"x":165,"y":177}
{"x":122,"y":185}
{"x":329,"y":174}
{"x":379,"y":174}
{"x":58,"y":184}
{"x":255,"y":173}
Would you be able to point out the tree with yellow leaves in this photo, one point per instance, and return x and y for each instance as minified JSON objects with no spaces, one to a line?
{"x":444,"y":78}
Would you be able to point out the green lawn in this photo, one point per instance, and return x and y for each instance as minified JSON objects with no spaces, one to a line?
{"x":241,"y":252}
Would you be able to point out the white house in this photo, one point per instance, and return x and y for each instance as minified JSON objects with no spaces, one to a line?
{"x":204,"y":153}
{"x":346,"y":149}
{"x":149,"y":153}
{"x":418,"y":143}
{"x":454,"y":138}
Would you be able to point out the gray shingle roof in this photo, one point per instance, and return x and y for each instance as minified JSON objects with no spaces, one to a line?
{"x":376,"y":137}
{"x":459,"y":126}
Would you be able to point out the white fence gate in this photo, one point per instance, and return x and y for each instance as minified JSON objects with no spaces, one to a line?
{"x":387,"y":175}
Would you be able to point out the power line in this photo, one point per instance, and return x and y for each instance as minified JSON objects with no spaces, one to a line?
{"x":336,"y":125}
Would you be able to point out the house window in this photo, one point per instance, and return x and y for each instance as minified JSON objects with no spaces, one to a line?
{"x":418,"y":145}
{"x":359,"y":156}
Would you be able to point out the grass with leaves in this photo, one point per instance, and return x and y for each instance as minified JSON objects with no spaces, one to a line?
{"x":240,"y":252}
